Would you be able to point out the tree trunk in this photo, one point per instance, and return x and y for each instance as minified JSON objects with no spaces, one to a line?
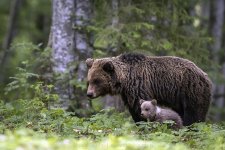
{"x":14,"y":11}
{"x":115,"y":10}
{"x":61,"y":39}
{"x":216,"y":25}
{"x":114,"y":101}
{"x":204,"y":14}
{"x":83,"y":50}
{"x":216,"y":29}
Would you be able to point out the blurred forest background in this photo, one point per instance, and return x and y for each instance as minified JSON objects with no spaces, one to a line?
{"x":45,"y":43}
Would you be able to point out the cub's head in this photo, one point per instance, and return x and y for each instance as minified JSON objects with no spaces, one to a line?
{"x":148,"y":108}
{"x":101,"y":79}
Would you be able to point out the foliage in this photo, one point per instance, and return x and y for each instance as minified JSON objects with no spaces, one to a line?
{"x":35,"y":25}
{"x":32,"y":25}
{"x":29,"y":123}
{"x":165,"y":29}
{"x":21,"y":84}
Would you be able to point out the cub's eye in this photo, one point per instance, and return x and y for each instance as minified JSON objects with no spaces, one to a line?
{"x":146,"y":109}
{"x":96,"y":81}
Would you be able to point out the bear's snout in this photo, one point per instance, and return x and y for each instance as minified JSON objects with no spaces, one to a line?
{"x":90,"y":94}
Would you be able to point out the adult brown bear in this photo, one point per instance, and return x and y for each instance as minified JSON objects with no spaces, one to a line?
{"x":175,"y":82}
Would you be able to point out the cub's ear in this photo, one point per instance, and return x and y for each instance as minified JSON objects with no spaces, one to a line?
{"x":108,"y":67}
{"x":141,"y":101}
{"x":89,"y":62}
{"x":154,"y":102}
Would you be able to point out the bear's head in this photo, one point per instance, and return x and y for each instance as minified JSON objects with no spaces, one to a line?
{"x":148,"y":108}
{"x":101,"y":79}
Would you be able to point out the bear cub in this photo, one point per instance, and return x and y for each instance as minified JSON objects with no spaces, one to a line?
{"x":152,"y":112}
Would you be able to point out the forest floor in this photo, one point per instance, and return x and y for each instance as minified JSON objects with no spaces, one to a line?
{"x":28,"y":125}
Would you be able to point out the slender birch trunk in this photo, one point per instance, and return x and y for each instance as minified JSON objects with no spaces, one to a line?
{"x":14,"y":11}
{"x":61,"y":39}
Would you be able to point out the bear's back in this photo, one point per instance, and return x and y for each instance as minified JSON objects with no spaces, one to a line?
{"x":132,"y":58}
{"x":171,"y":65}
{"x":173,"y":61}
{"x":168,"y":114}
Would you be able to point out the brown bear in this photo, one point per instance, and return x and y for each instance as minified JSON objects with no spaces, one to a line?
{"x":152,"y":112}
{"x":175,"y":82}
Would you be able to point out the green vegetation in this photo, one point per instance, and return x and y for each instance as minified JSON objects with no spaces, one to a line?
{"x":28,"y":123}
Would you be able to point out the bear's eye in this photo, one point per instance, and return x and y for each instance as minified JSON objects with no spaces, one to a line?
{"x":146,"y":109}
{"x":96,"y":81}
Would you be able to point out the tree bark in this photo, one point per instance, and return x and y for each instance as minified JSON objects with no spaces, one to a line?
{"x":216,"y":30}
{"x":83,"y":50}
{"x":115,"y":11}
{"x":216,"y":25}
{"x":14,"y":11}
{"x":61,"y":39}
{"x":114,"y":101}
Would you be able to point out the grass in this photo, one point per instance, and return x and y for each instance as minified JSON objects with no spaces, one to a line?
{"x":26,"y":127}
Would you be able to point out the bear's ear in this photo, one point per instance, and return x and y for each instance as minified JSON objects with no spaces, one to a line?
{"x":141,"y":101}
{"x":108,"y":67}
{"x":154,"y":102}
{"x":89,"y":62}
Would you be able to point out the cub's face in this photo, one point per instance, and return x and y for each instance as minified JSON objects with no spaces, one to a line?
{"x":148,"y":109}
{"x":99,"y":79}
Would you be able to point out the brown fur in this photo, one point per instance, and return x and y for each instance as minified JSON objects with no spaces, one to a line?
{"x":175,"y":82}
{"x":152,"y":112}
